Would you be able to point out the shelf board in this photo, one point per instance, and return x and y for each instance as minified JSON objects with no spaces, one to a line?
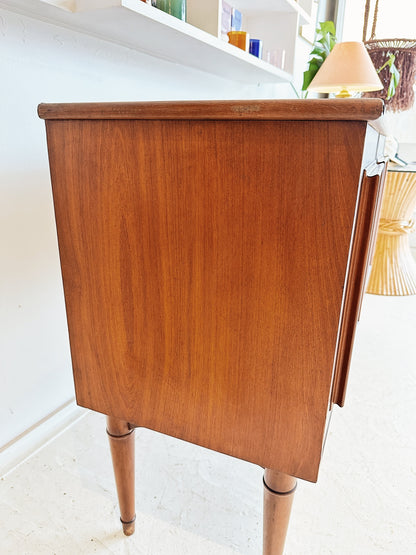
{"x":141,"y":27}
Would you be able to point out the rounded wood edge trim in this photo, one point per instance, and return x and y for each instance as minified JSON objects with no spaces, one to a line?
{"x":356,"y":109}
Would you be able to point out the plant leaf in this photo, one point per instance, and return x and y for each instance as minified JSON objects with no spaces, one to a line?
{"x":324,"y":42}
{"x":394,"y":75}
{"x":310,"y":73}
{"x":319,"y":50}
{"x":327,"y":27}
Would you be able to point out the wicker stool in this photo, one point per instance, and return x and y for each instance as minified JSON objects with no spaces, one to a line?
{"x":393,"y":270}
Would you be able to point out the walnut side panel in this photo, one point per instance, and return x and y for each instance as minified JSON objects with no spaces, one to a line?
{"x":203,"y":266}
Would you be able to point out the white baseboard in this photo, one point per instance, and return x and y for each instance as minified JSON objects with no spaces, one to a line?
{"x":39,"y":435}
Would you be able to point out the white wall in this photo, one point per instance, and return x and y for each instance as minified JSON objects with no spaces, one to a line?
{"x":44,"y":63}
{"x":394,"y":19}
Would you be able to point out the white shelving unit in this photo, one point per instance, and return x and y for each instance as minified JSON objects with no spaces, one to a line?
{"x":196,"y":44}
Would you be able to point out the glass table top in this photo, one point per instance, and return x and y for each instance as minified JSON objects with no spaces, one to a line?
{"x":409,"y":168}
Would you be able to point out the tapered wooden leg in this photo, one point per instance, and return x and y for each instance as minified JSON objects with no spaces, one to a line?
{"x":121,"y":437}
{"x":279,"y":490}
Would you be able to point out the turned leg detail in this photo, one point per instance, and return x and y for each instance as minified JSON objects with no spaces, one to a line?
{"x":121,"y":438}
{"x":279,"y":490}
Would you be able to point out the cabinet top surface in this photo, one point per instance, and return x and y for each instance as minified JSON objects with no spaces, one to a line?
{"x":320,"y":109}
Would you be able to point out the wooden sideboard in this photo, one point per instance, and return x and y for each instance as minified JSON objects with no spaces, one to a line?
{"x":214,"y":257}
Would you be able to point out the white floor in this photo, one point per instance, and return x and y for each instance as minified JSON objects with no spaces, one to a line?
{"x":192,"y":501}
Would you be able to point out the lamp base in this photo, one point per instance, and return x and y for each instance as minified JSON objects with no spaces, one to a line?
{"x":343,"y":93}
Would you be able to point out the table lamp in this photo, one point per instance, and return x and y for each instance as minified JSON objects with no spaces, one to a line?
{"x":347,"y":69}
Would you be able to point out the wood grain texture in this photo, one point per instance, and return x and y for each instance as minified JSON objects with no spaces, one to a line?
{"x":279,"y":492}
{"x":362,"y":251}
{"x":203,"y":265}
{"x":121,"y":439}
{"x":336,"y":109}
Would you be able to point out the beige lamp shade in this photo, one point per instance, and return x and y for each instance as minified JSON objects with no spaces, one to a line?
{"x":348,"y":68}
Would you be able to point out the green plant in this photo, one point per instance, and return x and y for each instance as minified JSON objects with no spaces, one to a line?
{"x":325,"y":39}
{"x":394,"y":75}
